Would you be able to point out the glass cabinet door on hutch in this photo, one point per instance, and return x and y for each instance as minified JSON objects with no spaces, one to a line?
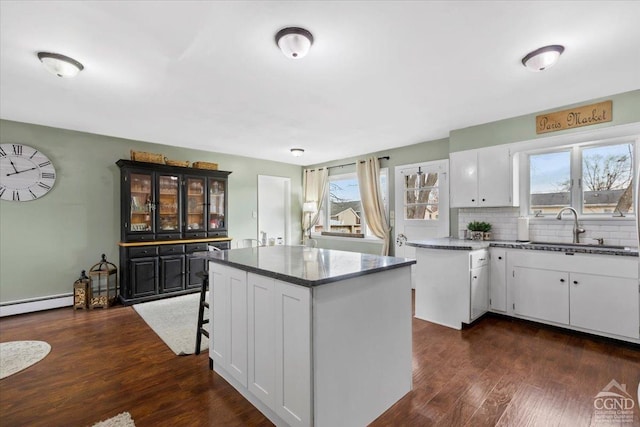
{"x":196,"y":207}
{"x":168,"y":206}
{"x":217,"y":204}
{"x":141,"y":203}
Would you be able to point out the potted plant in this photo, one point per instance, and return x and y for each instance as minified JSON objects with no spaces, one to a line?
{"x":480,"y":230}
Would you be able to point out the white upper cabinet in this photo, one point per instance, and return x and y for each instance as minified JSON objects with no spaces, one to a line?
{"x":486,"y":177}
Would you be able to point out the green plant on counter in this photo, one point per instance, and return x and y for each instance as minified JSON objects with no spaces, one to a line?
{"x":479,"y":226}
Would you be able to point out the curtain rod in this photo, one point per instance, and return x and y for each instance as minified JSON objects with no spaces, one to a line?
{"x":350,"y":164}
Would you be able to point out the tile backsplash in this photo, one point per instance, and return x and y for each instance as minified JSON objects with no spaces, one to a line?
{"x":504,"y":222}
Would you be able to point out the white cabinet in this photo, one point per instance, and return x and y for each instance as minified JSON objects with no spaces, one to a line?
{"x":262,"y":343}
{"x":479,"y":292}
{"x":452,"y":286}
{"x":279,"y":337}
{"x":592,"y":293}
{"x":293,"y":353}
{"x":498,"y":280}
{"x":228,"y":299}
{"x":541,"y":294}
{"x":486,"y":177}
{"x":605,"y":304}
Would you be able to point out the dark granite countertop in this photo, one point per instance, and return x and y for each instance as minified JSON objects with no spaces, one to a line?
{"x":305,"y":266}
{"x":448,"y":243}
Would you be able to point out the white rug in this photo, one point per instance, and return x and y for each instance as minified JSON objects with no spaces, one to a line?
{"x":121,"y":420}
{"x":175,"y":320}
{"x":18,"y":355}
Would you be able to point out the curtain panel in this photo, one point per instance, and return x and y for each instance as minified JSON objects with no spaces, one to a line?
{"x":372,"y":203}
{"x":314,"y":184}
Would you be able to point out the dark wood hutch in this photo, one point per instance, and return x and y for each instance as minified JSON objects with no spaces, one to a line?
{"x":168,"y":213}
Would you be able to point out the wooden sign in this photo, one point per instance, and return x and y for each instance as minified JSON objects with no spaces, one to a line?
{"x":574,"y":117}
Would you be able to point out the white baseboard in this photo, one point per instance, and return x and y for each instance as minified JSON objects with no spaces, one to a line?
{"x":35,"y":304}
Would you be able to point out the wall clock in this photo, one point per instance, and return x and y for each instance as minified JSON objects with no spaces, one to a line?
{"x":25,"y":173}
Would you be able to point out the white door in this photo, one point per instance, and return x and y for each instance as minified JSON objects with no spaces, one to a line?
{"x":274,"y":217}
{"x":422,"y":204}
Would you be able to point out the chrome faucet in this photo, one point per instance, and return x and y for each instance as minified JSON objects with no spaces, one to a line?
{"x":576,"y":227}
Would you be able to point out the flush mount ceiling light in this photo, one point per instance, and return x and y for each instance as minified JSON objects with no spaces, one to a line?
{"x":294,"y":42}
{"x":297,"y":152}
{"x":60,"y":65}
{"x":543,"y":58}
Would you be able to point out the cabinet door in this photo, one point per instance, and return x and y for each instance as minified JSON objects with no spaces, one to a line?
{"x":479,"y":292}
{"x":216,"y":220}
{"x":494,"y":177}
{"x":194,"y":266}
{"x":262,"y":346}
{"x":228,"y":297}
{"x":171,"y":273}
{"x":138,"y":203}
{"x":293,"y":353}
{"x":464,"y":179}
{"x":541,"y":294}
{"x":143,"y":277}
{"x":169,"y":206}
{"x":605,"y":304}
{"x":498,"y":280}
{"x":196,"y":206}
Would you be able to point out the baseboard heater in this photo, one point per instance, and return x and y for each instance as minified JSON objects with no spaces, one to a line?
{"x":35,"y":304}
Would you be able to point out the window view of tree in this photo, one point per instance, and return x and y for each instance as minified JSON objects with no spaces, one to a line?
{"x":606,"y":180}
{"x":421,"y":196}
{"x":607,"y":174}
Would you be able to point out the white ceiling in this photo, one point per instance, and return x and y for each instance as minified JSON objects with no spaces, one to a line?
{"x":380,"y":74}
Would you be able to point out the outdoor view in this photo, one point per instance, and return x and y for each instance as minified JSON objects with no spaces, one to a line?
{"x":345,"y":207}
{"x":606,"y":180}
{"x":421,"y":196}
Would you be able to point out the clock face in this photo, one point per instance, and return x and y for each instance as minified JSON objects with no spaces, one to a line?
{"x":25,"y":173}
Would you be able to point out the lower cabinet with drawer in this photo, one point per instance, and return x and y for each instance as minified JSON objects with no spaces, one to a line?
{"x":452,"y":286}
{"x":156,"y":271}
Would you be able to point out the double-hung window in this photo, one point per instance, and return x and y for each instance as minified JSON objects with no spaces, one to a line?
{"x":595,"y":179}
{"x":342,"y":212}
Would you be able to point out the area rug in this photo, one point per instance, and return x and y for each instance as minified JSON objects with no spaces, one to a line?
{"x":175,"y":321}
{"x":18,"y":355}
{"x":121,"y":420}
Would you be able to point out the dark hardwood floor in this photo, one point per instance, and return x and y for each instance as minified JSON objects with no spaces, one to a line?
{"x":498,"y":371}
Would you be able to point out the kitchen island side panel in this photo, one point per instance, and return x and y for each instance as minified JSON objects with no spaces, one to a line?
{"x":362,"y":347}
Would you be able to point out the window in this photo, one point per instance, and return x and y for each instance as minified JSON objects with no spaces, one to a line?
{"x":593,"y":179}
{"x":342,"y":210}
{"x":421,"y":196}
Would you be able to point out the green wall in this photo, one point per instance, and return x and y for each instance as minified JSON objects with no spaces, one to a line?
{"x":44,"y":244}
{"x":626,"y":109}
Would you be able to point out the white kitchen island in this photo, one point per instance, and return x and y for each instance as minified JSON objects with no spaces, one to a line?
{"x":312,"y":337}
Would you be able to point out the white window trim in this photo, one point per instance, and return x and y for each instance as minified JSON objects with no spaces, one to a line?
{"x":327,"y":215}
{"x":579,"y":140}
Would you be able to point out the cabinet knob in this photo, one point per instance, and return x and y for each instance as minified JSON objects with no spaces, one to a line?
{"x":562,"y":280}
{"x":475,"y":277}
{"x":483,"y":200}
{"x":499,"y":257}
{"x":473,"y":200}
{"x":575,"y":282}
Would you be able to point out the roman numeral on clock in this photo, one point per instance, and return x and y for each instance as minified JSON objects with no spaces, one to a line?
{"x":2,"y":152}
{"x":48,"y":175}
{"x":33,"y":194}
{"x":43,"y":164}
{"x":17,"y":149}
{"x":16,"y":195}
{"x":43,"y":185}
{"x":2,"y":190}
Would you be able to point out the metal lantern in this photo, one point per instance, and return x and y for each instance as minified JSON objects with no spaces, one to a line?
{"x":104,"y":284}
{"x":81,"y":292}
